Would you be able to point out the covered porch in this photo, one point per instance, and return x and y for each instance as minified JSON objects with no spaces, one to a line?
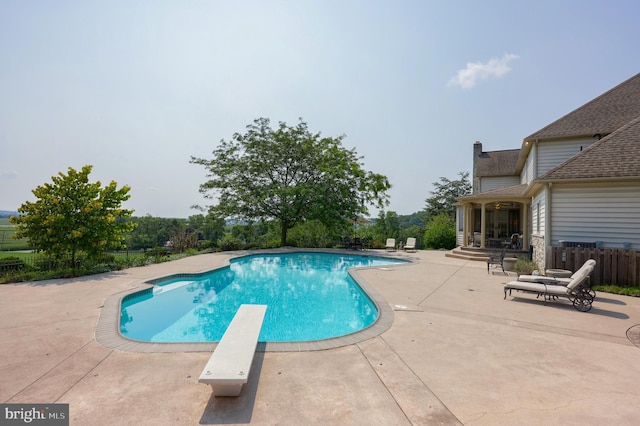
{"x":495,"y":219}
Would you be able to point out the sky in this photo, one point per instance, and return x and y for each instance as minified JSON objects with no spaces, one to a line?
{"x":136,"y":88}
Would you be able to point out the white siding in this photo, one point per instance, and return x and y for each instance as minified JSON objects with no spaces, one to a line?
{"x":550,"y":154}
{"x":606,"y":213}
{"x":538,"y":209}
{"x":497,"y":182}
{"x":526,"y":176}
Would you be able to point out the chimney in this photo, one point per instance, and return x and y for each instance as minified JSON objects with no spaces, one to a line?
{"x":477,"y":152}
{"x":477,"y":149}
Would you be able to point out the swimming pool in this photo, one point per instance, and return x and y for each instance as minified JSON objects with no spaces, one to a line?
{"x":310,"y":296}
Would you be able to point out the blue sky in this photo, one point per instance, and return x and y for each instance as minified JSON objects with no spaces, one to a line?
{"x":135,"y":88}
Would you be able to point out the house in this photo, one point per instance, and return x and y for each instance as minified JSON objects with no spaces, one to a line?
{"x":573,"y":183}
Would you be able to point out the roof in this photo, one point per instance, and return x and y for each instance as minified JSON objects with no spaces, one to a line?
{"x":603,"y":115}
{"x":616,"y":156}
{"x":497,"y":163}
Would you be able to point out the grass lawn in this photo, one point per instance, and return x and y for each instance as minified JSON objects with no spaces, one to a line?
{"x":19,"y":254}
{"x":7,"y":231}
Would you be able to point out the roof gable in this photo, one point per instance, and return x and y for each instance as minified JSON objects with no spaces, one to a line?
{"x":616,"y":156}
{"x":603,"y":115}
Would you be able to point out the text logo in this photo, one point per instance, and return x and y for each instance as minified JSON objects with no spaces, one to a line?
{"x":34,"y":414}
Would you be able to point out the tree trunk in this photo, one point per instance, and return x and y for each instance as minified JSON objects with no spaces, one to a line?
{"x":283,"y":235}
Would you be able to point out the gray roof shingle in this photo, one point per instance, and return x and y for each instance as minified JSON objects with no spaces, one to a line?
{"x":602,"y":115}
{"x":497,"y":163}
{"x":616,"y":156}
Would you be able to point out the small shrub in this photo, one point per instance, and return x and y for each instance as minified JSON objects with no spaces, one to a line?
{"x":377,"y":244}
{"x":309,"y":234}
{"x":229,"y":243}
{"x":440,"y":233}
{"x":524,"y":266}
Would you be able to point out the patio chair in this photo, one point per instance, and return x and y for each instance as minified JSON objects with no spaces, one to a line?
{"x":411,"y":245}
{"x":356,"y":244}
{"x":576,"y":290}
{"x":391,"y":244}
{"x":497,"y":259}
{"x":515,"y":241}
{"x":346,"y":243}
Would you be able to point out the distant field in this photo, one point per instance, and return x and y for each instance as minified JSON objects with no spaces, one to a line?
{"x":26,"y":256}
{"x":30,"y":256}
{"x":7,"y":230}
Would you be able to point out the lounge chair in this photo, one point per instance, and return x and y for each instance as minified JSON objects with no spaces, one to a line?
{"x":391,"y":244}
{"x":576,"y":290}
{"x":411,"y":245}
{"x":497,"y":259}
{"x":561,"y":281}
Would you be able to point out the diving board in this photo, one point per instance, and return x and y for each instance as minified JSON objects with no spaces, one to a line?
{"x":229,"y":365}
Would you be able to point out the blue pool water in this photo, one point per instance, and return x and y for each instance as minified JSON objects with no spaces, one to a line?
{"x":309,"y":296}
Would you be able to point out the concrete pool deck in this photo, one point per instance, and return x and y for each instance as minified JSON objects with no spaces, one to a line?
{"x":456,"y":353}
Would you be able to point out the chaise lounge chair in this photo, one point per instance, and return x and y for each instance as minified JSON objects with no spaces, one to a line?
{"x":411,"y":245}
{"x":391,"y":244}
{"x":576,"y":290}
{"x":561,"y":281}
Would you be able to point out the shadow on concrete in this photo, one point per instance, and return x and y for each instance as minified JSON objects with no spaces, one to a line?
{"x":610,"y":314}
{"x":235,"y":409}
{"x":565,"y":304}
{"x":605,"y":300}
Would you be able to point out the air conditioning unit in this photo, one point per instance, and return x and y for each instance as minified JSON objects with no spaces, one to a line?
{"x":576,"y":244}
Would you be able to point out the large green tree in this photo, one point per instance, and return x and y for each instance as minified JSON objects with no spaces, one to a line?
{"x":153,"y":231}
{"x":73,"y":215}
{"x":444,"y":195}
{"x":290,"y":175}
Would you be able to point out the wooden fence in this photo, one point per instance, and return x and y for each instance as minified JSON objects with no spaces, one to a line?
{"x":613,"y":266}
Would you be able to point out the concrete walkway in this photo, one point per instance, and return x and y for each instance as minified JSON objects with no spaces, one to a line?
{"x":457,"y":353}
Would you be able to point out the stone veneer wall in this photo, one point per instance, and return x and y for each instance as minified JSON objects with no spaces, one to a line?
{"x":537,"y":242}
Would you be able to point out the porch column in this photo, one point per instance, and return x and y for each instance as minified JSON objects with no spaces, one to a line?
{"x":525,"y":226}
{"x":470,"y":221}
{"x":483,"y":224}
{"x":465,"y":230}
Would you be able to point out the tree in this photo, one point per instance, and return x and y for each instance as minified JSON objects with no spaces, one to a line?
{"x":72,"y":215}
{"x":387,"y":226}
{"x":440,"y":232}
{"x":444,"y":195}
{"x":153,"y":231}
{"x":211,"y":227}
{"x":290,"y":175}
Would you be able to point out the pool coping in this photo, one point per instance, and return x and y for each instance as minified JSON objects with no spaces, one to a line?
{"x":108,"y":325}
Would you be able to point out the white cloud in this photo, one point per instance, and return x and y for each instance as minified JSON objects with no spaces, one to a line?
{"x":475,"y":71}
{"x":8,"y":174}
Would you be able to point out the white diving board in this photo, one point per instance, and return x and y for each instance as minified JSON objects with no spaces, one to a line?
{"x":229,"y":365}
